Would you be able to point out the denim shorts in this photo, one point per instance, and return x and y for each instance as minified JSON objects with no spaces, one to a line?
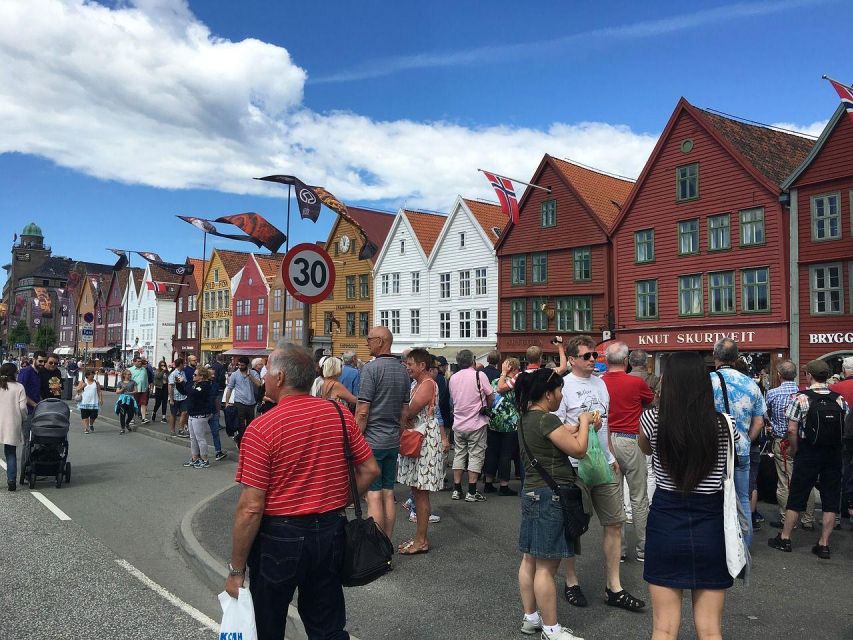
{"x":387,"y":461}
{"x":542,"y":534}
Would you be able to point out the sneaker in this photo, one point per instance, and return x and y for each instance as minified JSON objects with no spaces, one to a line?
{"x":756,"y":525}
{"x":189,"y":463}
{"x":757,"y":517}
{"x":131,"y":423}
{"x":564,"y":634}
{"x":164,"y":419}
{"x":201,"y":464}
{"x":220,"y":455}
{"x":488,"y":487}
{"x":641,"y":556}
{"x":529,"y":628}
{"x":183,"y":433}
{"x":145,"y":421}
{"x":474,"y":497}
{"x":821,"y":551}
{"x":506,"y":491}
{"x":121,"y":432}
{"x":779,"y":543}
{"x":456,"y":495}
{"x":413,"y":517}
{"x":623,"y":558}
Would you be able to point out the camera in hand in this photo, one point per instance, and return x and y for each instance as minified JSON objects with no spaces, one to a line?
{"x":486,"y":411}
{"x":557,"y":340}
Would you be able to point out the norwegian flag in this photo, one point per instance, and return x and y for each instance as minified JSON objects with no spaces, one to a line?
{"x":506,"y":195}
{"x":845,"y":93}
{"x":156,"y":287}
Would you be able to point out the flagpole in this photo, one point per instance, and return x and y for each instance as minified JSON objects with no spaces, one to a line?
{"x":283,"y":287}
{"x":126,"y":305}
{"x":201,"y":295}
{"x":535,"y":186}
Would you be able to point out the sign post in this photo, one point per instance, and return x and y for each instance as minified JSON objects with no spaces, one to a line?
{"x":308,"y":273}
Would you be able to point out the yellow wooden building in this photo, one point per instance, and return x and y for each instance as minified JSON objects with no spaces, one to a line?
{"x":223,"y":272}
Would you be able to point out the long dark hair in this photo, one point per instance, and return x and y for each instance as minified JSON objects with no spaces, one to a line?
{"x":532,"y":386}
{"x":688,"y":426}
{"x":8,"y":373}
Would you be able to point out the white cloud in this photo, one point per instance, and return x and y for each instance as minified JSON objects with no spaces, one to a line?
{"x":814,"y":129}
{"x":145,"y":94}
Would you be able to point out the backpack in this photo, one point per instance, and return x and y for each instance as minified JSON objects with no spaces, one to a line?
{"x":824,"y":423}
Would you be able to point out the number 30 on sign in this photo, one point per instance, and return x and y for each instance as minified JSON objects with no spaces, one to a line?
{"x":308,"y":273}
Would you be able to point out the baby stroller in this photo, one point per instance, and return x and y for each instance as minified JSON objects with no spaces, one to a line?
{"x":46,"y":450}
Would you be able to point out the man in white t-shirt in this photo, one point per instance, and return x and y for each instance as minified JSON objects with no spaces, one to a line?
{"x":583,"y":391}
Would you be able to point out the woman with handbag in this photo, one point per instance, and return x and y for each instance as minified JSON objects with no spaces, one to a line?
{"x":685,"y":540}
{"x":545,"y":443}
{"x":422,"y":447}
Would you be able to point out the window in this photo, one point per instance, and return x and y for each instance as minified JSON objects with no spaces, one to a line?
{"x":180,"y":328}
{"x":238,"y":311}
{"x":444,"y":285}
{"x":480,"y":280}
{"x":192,"y":303}
{"x":644,"y":245}
{"x":719,"y":232}
{"x":826,"y":293}
{"x":464,"y":324}
{"x":327,"y":323}
{"x":191,"y":330}
{"x":444,"y":324}
{"x":350,"y":323}
{"x":415,"y":321}
{"x":540,"y":319}
{"x":180,"y":305}
{"x":647,"y":299}
{"x":548,"y":213}
{"x":259,"y":332}
{"x":350,"y":287}
{"x":261,"y":305}
{"x":481,"y":322}
{"x":519,"y":269}
{"x":755,"y":292}
{"x":216,"y":274}
{"x":288,"y":329}
{"x":721,"y":292}
{"x":276,"y":300}
{"x":690,"y":295}
{"x":238,"y":332}
{"x":464,"y":284}
{"x":751,"y":227}
{"x":395,"y":321}
{"x":519,"y":315}
{"x":363,"y":322}
{"x":462,"y":240}
{"x":363,"y":286}
{"x":582,"y":259}
{"x":574,"y":313}
{"x":688,"y":237}
{"x":540,"y":268}
{"x":826,"y":219}
{"x":247,"y":307}
{"x":384,"y":318}
{"x":386,"y":284}
{"x":337,"y":248}
{"x":276,"y":329}
{"x":687,"y":179}
{"x":402,"y":247}
{"x":416,"y":281}
{"x":395,"y":283}
{"x":297,"y":334}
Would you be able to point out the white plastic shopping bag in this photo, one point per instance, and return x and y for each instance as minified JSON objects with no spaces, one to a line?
{"x":238,"y":617}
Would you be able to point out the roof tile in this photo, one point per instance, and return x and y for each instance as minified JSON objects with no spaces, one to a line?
{"x":233,"y":261}
{"x":375,"y":224}
{"x":427,"y":227}
{"x":270,"y":264}
{"x":604,"y":194}
{"x":490,"y":216}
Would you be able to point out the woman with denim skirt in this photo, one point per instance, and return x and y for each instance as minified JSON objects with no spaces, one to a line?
{"x":542,"y":539}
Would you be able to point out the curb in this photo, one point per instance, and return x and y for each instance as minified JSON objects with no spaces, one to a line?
{"x":211,"y":571}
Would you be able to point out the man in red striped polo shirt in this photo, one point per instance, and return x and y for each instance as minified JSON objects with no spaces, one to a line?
{"x":295,"y":489}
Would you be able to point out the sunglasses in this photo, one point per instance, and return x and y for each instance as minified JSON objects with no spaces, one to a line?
{"x":588,"y":355}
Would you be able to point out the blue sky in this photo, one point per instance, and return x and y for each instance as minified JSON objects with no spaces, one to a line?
{"x":116,"y":116}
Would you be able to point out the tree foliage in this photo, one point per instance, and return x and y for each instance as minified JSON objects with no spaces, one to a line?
{"x":45,"y":338}
{"x":20,"y":333}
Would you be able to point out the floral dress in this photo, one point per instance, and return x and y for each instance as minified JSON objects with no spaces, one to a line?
{"x":427,"y":471}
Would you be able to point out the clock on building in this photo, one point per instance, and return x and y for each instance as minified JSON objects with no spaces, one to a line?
{"x":344,"y":243}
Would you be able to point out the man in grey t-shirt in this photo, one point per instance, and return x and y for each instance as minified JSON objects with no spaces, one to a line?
{"x":383,"y":402}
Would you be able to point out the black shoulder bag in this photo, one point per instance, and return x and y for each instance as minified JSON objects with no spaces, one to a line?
{"x":575,"y":519}
{"x":367,"y":550}
{"x":485,"y":410}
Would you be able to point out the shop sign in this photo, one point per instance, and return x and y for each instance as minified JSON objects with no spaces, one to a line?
{"x":831,"y":338}
{"x":767,"y":337}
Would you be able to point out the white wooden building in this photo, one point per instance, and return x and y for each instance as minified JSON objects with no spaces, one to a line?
{"x":150,"y":315}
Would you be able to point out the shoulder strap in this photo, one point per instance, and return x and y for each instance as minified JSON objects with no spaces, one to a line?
{"x":356,"y":501}
{"x":479,"y":388}
{"x":534,"y":461}
{"x":730,"y":449}
{"x":725,"y":391}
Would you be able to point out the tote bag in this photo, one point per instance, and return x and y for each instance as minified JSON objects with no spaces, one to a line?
{"x":735,"y":548}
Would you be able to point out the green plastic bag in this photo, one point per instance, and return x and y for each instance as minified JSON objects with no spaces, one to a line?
{"x":593,"y":468}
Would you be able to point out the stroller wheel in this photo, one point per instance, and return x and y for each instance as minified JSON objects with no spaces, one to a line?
{"x":67,"y":472}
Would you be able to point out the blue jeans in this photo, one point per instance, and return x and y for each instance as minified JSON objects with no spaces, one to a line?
{"x":214,"y":431}
{"x":11,"y":453}
{"x":302,"y":552}
{"x":742,"y":490}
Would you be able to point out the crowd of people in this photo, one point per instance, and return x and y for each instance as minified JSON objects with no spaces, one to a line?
{"x":627,"y":442}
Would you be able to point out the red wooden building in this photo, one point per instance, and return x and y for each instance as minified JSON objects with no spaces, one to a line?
{"x":250,"y":304}
{"x":186,"y":340}
{"x":114,"y":308}
{"x":701,"y":245}
{"x":821,"y":192}
{"x":554,"y":265}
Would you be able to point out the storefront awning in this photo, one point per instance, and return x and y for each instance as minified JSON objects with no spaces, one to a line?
{"x":63,"y":351}
{"x":479,"y":351}
{"x":246,"y":352}
{"x":98,"y":350}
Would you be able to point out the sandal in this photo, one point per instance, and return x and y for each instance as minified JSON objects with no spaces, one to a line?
{"x":409,"y":549}
{"x":623,"y":600}
{"x":574,"y":596}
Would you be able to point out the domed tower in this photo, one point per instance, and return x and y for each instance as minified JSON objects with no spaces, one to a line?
{"x":32,"y":237}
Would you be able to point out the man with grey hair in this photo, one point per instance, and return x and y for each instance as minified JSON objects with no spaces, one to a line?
{"x":471,"y":394}
{"x":845,"y":388}
{"x":638,"y":359}
{"x":295,"y":490}
{"x":628,"y":396}
{"x":350,"y":376}
{"x":737,"y":395}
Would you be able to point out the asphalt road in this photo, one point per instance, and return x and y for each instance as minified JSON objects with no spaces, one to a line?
{"x":126,"y":499}
{"x":466,"y":586}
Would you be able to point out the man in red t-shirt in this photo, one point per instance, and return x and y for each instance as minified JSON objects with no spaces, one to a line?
{"x":628,"y":395}
{"x":295,"y":489}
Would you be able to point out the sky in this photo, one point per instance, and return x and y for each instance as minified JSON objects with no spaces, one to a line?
{"x":116,"y":116}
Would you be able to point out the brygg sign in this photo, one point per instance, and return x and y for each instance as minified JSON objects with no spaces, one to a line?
{"x":831,"y":338}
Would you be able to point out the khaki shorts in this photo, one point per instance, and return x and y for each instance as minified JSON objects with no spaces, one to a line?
{"x":607,"y":502}
{"x":469,"y":450}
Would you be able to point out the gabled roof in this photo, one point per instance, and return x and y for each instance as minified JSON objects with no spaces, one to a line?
{"x":138,"y":278}
{"x":233,"y":261}
{"x":269,"y":264}
{"x":198,"y":270}
{"x":158,"y":274}
{"x":603,"y":194}
{"x":375,"y":224}
{"x":426,"y":227}
{"x":840,"y":111}
{"x":774,"y":153}
{"x":94,"y":267}
{"x":54,"y":267}
{"x":490,"y":216}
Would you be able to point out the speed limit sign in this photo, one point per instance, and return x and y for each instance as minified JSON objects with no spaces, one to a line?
{"x":308,"y":273}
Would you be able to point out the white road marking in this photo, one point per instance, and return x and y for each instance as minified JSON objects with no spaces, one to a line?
{"x":59,"y":513}
{"x":3,"y":464}
{"x":175,"y":600}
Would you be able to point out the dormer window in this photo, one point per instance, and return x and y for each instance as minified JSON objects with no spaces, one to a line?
{"x":402,"y":247}
{"x":462,"y":240}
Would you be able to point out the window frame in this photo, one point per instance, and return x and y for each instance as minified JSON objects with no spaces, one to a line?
{"x":548,"y":208}
{"x":728,"y":227}
{"x":478,"y":280}
{"x":743,"y":287}
{"x":386,"y":284}
{"x":385,"y":318}
{"x":465,"y":283}
{"x":647,"y":295}
{"x":415,"y":322}
{"x":537,"y":316}
{"x":522,"y":309}
{"x":481,"y":320}
{"x":637,"y":246}
{"x":681,"y":290}
{"x":395,"y":283}
{"x":679,"y":178}
{"x":518,"y":261}
{"x":395,"y":322}
{"x":813,"y":216}
{"x":444,"y":325}
{"x":712,"y":288}
{"x":350,"y":320}
{"x":752,"y":223}
{"x":363,"y":286}
{"x":350,"y":287}
{"x":363,"y":322}
{"x":464,"y":323}
{"x":813,"y":290}
{"x":416,"y":282}
{"x":680,"y":233}
{"x":543,"y":255}
{"x":444,"y":285}
{"x":582,"y":251}
{"x":569,"y":307}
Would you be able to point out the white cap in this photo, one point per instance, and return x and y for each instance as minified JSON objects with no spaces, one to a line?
{"x":847,"y":363}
